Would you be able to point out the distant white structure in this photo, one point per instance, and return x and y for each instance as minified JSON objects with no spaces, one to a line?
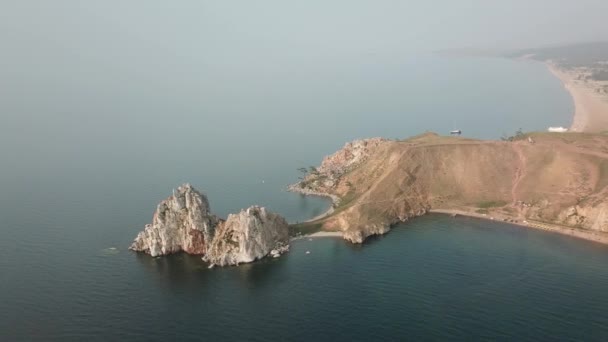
{"x":557,"y":129}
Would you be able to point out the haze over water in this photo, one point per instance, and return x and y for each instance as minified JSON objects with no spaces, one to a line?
{"x":90,"y":142}
{"x":80,"y":177}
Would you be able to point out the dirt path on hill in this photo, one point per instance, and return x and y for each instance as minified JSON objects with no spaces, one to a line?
{"x":519,"y":175}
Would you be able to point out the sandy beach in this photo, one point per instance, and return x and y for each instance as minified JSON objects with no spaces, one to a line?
{"x":591,"y":107}
{"x":589,"y":235}
{"x":318,"y":235}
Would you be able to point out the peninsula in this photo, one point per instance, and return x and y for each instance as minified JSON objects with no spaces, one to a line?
{"x":551,"y":181}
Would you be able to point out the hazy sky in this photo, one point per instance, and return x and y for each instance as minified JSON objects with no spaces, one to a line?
{"x":216,"y":27}
{"x":103,"y":71}
{"x":157,"y":47}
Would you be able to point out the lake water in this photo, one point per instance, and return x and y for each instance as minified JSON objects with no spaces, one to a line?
{"x":85,"y":160}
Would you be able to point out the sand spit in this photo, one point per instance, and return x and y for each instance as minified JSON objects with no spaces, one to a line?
{"x":591,"y":104}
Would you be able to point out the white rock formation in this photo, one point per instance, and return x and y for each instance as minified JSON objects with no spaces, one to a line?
{"x":247,"y":236}
{"x":182,"y":222}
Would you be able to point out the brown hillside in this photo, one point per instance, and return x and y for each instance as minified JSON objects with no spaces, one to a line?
{"x":556,"y":178}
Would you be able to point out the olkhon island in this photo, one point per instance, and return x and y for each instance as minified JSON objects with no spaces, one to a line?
{"x":551,"y":181}
{"x":555,"y":181}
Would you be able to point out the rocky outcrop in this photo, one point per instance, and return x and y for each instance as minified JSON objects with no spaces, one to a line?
{"x":352,"y":154}
{"x":359,"y":234}
{"x":247,"y":236}
{"x":586,"y":216}
{"x":322,"y":180}
{"x":357,"y":228}
{"x":182,"y":222}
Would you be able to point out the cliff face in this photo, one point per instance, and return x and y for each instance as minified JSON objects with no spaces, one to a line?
{"x":551,"y":178}
{"x":184,"y":223}
{"x":247,"y":236}
{"x":181,"y":222}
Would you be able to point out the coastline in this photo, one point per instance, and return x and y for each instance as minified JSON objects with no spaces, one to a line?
{"x":335,"y":201}
{"x":590,"y":115}
{"x":590,"y":107}
{"x":588,"y":235}
{"x":321,"y":234}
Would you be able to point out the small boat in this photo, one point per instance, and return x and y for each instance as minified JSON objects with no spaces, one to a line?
{"x":456,"y":132}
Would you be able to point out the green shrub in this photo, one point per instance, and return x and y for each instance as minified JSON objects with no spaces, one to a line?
{"x":491,"y":204}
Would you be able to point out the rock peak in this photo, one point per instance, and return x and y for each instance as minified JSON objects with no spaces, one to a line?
{"x":183,"y":222}
{"x":249,"y":235}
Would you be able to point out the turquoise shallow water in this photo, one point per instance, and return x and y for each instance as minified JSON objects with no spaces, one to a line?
{"x":86,"y":158}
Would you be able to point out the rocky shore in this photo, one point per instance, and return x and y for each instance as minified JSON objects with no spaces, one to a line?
{"x":331,"y":180}
{"x":183,"y":223}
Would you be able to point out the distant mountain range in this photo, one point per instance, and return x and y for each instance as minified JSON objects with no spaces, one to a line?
{"x":591,"y":54}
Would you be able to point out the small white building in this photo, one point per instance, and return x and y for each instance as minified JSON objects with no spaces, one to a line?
{"x":557,"y":129}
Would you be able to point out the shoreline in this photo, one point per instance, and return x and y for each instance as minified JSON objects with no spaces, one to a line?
{"x":588,"y":235}
{"x":320,"y":234}
{"x":590,"y":108}
{"x":590,"y":115}
{"x":335,"y":201}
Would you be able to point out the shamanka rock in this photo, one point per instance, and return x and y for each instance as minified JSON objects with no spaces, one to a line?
{"x":247,"y":236}
{"x":182,"y":222}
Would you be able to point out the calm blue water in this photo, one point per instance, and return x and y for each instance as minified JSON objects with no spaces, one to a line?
{"x":86,"y":160}
{"x":434,"y":278}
